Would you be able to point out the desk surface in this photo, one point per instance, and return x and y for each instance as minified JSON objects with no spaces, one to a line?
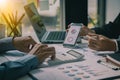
{"x":88,"y":69}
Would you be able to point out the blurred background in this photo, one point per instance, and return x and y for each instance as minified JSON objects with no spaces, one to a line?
{"x":57,"y":14}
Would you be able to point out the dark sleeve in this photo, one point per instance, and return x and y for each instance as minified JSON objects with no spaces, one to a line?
{"x":111,"y":30}
{"x":118,"y":41}
{"x":14,"y":69}
{"x":6,"y":44}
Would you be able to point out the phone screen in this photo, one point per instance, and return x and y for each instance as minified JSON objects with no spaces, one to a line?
{"x":72,"y":35}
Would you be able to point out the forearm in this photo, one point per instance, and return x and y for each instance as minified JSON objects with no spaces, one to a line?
{"x":110,"y":30}
{"x":118,"y":43}
{"x":14,"y":69}
{"x":6,"y":44}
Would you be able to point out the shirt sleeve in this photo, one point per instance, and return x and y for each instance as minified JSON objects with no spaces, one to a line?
{"x":12,"y":70}
{"x":110,"y":30}
{"x":118,"y":44}
{"x":6,"y":44}
{"x":117,"y":49}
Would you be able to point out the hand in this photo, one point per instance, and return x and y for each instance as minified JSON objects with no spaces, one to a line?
{"x":23,"y":43}
{"x":101,"y":43}
{"x":43,"y":51}
{"x":85,"y":30}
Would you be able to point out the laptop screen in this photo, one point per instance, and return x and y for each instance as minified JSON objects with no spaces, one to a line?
{"x":35,"y":20}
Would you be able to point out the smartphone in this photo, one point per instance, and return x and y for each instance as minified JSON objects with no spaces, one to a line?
{"x":72,"y":34}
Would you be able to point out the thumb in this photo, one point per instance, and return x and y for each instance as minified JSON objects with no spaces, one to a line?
{"x":32,"y":40}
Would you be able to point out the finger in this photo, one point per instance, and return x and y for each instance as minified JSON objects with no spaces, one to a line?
{"x":45,"y":55}
{"x":48,"y":49}
{"x":40,"y":48}
{"x":32,"y":40}
{"x":93,"y":41}
{"x":34,"y":49}
{"x":92,"y":34}
{"x":68,"y":26}
{"x":29,"y":42}
{"x":84,"y":27}
{"x":67,"y":30}
{"x":84,"y":37}
{"x":37,"y":48}
{"x":101,"y":37}
{"x":94,"y":47}
{"x":53,"y":56}
{"x":94,"y":44}
{"x":43,"y":45}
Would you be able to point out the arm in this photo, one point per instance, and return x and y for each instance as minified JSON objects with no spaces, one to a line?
{"x":111,"y":30}
{"x":19,"y":43}
{"x":6,"y":44}
{"x":118,"y":42}
{"x":14,"y":69}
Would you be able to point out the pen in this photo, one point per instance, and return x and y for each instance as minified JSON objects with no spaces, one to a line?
{"x":16,"y":23}
{"x":13,"y":24}
{"x":8,"y":23}
{"x":108,"y":65}
{"x":20,"y":19}
{"x":15,"y":18}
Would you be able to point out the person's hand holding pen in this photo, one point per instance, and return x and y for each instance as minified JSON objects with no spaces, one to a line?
{"x":29,"y":45}
{"x":43,"y":52}
{"x":100,"y":43}
{"x":24,"y":43}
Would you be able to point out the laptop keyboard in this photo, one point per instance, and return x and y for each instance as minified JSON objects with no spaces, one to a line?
{"x":56,"y":36}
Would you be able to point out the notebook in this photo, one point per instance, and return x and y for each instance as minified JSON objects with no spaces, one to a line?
{"x":43,"y":35}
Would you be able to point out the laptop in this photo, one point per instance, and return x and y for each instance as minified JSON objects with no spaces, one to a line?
{"x":43,"y":35}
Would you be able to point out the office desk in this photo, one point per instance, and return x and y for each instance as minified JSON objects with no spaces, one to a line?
{"x":88,"y":69}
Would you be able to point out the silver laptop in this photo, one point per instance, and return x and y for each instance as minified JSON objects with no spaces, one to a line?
{"x":43,"y":35}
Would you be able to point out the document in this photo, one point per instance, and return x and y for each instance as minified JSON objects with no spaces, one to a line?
{"x":75,"y":71}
